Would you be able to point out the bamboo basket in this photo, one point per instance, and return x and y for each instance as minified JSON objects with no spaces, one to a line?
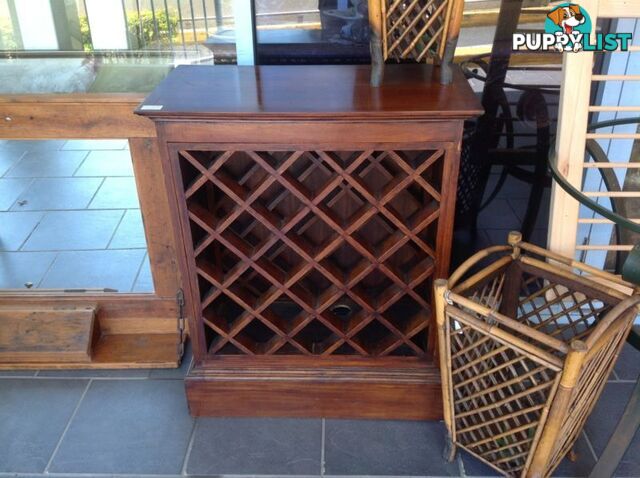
{"x":527,"y":339}
{"x":416,"y":31}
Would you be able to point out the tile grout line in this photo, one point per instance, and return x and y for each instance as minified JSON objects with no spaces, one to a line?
{"x":461,"y":470}
{"x":322,"y":467}
{"x":87,"y":207}
{"x":22,"y":244}
{"x":46,"y":272}
{"x":66,"y":428}
{"x":79,"y":250}
{"x":138,"y":272}
{"x":86,"y":155}
{"x":115,"y":231}
{"x":187,"y":454}
{"x":590,"y":446}
{"x":4,"y":175}
{"x":514,"y":211}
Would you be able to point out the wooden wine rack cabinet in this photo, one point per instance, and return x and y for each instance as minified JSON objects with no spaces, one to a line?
{"x":315,"y":212}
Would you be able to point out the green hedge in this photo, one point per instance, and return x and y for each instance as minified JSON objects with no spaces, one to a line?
{"x":7,"y":40}
{"x":141,"y":29}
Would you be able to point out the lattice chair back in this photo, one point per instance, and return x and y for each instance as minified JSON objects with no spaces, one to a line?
{"x":526,"y":345}
{"x":414,"y":30}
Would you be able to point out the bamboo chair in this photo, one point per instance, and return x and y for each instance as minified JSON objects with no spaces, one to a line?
{"x":415,"y":31}
{"x":629,"y":267}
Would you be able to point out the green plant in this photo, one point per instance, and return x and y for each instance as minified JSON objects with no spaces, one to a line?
{"x":85,"y":34}
{"x":142,"y":30}
{"x":7,"y":40}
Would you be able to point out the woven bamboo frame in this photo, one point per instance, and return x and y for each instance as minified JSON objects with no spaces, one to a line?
{"x":526,"y":345}
{"x":416,"y":31}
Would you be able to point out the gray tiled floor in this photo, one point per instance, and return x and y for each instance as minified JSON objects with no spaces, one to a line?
{"x":57,"y":193}
{"x":507,"y":211}
{"x":354,"y":447}
{"x":116,"y":193}
{"x":20,"y":268}
{"x":256,"y":446}
{"x":127,"y":426}
{"x":133,"y":423}
{"x":69,"y":216}
{"x":47,"y":164}
{"x":74,"y":230}
{"x":94,"y":269}
{"x":11,"y":189}
{"x":106,"y":163}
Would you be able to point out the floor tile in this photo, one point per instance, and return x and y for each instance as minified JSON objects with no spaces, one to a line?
{"x":116,"y":193}
{"x":175,"y":373}
{"x":130,"y":232}
{"x":74,"y":230}
{"x":475,"y":467}
{"x":520,"y":208}
{"x":32,"y":145}
{"x":581,"y":467}
{"x":603,"y":421}
{"x":19,"y":268}
{"x":8,"y":159}
{"x":10,"y":190}
{"x":512,"y":187}
{"x":33,"y":416}
{"x":584,"y":461}
{"x":106,"y":163}
{"x":17,"y":373}
{"x":499,"y":236}
{"x":47,"y":164}
{"x":96,"y":373}
{"x":628,"y":365}
{"x":127,"y":426}
{"x":384,"y":447}
{"x":16,"y":227}
{"x":144,"y":281}
{"x":256,"y":446}
{"x":496,"y":236}
{"x":94,"y":270}
{"x":94,"y":144}
{"x":499,"y":215}
{"x":48,"y":194}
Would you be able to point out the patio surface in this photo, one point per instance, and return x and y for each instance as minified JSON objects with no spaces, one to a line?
{"x":70,"y":217}
{"x":135,"y":422}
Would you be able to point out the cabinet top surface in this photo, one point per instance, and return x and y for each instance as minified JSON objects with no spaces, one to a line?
{"x":329,"y":92}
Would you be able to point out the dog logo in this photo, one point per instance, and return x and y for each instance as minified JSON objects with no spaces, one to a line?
{"x":567,"y":28}
{"x":566,"y":19}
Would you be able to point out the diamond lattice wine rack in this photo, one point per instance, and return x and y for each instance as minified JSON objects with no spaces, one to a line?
{"x":313,"y":252}
{"x":311,"y":234}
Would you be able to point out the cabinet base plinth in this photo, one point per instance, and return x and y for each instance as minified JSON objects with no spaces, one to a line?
{"x":349,"y":389}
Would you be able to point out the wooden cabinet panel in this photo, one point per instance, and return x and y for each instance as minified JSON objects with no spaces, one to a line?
{"x":310,"y":242}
